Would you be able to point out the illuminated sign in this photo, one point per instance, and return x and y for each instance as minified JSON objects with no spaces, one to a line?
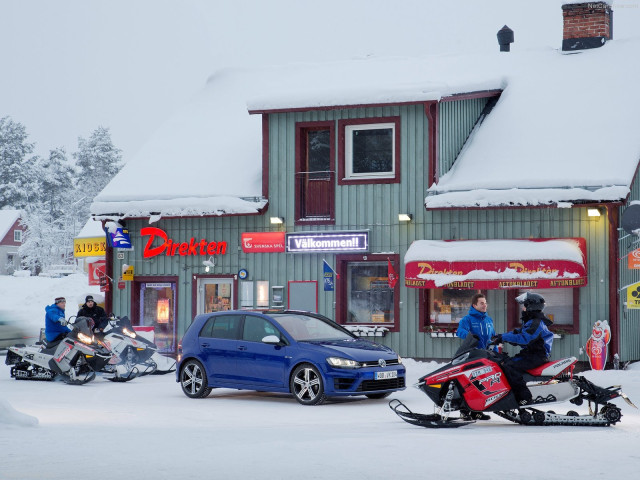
{"x":327,"y":242}
{"x":89,"y":247}
{"x":260,"y":242}
{"x":169,"y":247}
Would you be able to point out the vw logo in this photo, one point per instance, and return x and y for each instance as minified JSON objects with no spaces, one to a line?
{"x":382,"y":363}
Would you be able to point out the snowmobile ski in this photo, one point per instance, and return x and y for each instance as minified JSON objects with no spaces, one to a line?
{"x":429,"y":421}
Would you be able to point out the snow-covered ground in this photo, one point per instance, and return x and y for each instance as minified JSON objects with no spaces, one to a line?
{"x":148,"y":429}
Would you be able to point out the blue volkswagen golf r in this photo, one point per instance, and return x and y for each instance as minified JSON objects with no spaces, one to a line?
{"x":295,"y":352}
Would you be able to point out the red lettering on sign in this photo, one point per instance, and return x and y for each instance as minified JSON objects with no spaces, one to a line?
{"x":169,"y":247}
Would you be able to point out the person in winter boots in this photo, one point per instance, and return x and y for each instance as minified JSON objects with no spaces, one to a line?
{"x":55,"y":324}
{"x":536,"y":341}
{"x":477,"y":323}
{"x":95,"y":312}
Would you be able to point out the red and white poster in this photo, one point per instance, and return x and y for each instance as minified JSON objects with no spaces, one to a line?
{"x":262,"y":242}
{"x":96,"y":270}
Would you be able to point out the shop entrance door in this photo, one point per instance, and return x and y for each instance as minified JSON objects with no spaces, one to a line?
{"x":157,"y":308}
{"x":215,"y":294}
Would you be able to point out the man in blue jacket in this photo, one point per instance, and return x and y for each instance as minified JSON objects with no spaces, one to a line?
{"x":477,"y":322}
{"x":55,"y":324}
{"x":536,"y":341}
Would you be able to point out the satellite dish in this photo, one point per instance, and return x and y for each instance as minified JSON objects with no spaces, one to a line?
{"x":631,"y":218}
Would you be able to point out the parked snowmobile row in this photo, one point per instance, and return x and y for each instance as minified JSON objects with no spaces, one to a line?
{"x":119,"y":353}
{"x":473,"y":381}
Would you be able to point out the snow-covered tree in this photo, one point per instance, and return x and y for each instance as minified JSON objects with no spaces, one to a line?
{"x":56,"y":179}
{"x":16,"y":169}
{"x":45,"y":242}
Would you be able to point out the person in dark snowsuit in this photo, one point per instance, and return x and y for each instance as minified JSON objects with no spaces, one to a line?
{"x":477,"y":322}
{"x":536,"y":341}
{"x":55,"y":324}
{"x":95,"y":312}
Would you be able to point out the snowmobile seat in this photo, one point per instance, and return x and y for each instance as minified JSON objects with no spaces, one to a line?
{"x":50,"y":347}
{"x":553,"y":368}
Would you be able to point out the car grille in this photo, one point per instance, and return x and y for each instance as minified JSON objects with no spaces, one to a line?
{"x":371,"y":385}
{"x":374,"y":363}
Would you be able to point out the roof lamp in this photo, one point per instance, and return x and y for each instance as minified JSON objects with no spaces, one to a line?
{"x":277,"y":220}
{"x":593,"y":212}
{"x":405,"y":217}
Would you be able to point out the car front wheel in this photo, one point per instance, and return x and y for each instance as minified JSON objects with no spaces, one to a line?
{"x":306,"y":385}
{"x":193,"y":380}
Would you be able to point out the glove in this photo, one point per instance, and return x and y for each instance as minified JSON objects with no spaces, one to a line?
{"x":496,"y":339}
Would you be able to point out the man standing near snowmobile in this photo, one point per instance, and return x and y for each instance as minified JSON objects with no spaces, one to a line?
{"x":477,"y":322}
{"x":55,"y":324}
{"x":536,"y":341}
{"x":95,"y":312}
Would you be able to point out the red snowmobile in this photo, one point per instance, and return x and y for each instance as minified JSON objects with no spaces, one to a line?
{"x":473,"y":381}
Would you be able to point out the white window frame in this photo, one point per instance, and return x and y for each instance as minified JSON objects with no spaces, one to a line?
{"x":17,"y":236}
{"x":348,"y":150}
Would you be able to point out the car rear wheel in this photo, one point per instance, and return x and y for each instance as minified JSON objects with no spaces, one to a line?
{"x":375,"y":396}
{"x":193,"y":380}
{"x":306,"y":385}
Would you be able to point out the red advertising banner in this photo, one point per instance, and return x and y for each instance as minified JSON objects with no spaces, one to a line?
{"x":96,"y":270}
{"x":496,"y":275}
{"x":262,"y":242}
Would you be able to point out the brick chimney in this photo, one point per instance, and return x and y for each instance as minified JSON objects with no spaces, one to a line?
{"x":586,"y":25}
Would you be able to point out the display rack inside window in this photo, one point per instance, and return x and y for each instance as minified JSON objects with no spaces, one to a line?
{"x":445,"y":309}
{"x":370,"y":299}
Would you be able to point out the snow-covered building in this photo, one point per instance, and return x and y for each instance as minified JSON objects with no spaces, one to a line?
{"x":11,"y":233}
{"x":308,"y":186}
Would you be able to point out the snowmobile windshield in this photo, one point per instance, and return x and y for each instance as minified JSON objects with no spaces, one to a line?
{"x":468,"y":344}
{"x":124,"y":322}
{"x":84,"y":325}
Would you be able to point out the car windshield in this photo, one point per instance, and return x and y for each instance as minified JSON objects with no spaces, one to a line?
{"x":305,"y":328}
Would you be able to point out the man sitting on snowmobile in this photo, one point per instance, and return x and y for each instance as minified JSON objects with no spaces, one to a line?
{"x":55,"y":324}
{"x":95,"y":312}
{"x":536,"y":340}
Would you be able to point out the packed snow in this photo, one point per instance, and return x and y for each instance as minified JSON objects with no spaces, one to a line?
{"x":149,"y":429}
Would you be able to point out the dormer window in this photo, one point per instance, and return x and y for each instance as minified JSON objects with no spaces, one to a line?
{"x":17,"y":236}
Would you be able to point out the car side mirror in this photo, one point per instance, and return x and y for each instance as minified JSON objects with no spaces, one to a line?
{"x":271,"y":340}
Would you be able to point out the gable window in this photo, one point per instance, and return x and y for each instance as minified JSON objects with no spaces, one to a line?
{"x":315,"y":174}
{"x":369,"y":150}
{"x":17,"y":236}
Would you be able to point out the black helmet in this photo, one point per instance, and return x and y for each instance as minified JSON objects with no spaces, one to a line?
{"x":532,"y":301}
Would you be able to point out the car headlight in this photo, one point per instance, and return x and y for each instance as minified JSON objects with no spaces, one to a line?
{"x":399,"y":360}
{"x":342,"y":362}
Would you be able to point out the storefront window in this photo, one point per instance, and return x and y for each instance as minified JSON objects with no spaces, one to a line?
{"x":560,"y":306}
{"x":447,"y":306}
{"x":369,"y":297}
{"x":157,"y":310}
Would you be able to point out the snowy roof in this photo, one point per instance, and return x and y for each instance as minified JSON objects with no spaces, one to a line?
{"x":564,"y":129}
{"x":7,"y":219}
{"x":91,"y":229}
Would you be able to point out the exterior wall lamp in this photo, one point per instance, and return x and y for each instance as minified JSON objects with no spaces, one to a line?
{"x":405,"y":217}
{"x":209,"y":264}
{"x":593,"y":212}
{"x":276,"y":220}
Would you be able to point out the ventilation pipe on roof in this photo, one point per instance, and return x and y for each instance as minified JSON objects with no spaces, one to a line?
{"x":505,"y":39}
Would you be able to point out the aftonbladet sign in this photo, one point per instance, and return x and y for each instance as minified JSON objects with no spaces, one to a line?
{"x":170,"y":247}
{"x":535,"y":274}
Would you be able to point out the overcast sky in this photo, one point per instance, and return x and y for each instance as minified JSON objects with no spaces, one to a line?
{"x":69,"y":66}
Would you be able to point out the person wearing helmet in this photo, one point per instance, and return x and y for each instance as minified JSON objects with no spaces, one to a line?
{"x":536,"y":341}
